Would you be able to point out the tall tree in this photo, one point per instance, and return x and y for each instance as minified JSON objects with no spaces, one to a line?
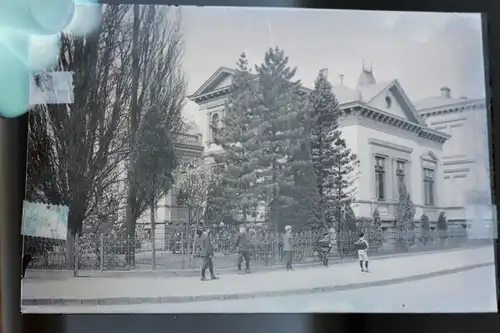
{"x":85,"y":137}
{"x":157,"y":82}
{"x":278,"y":129}
{"x":405,"y":215}
{"x":132,"y":214}
{"x":334,"y":163}
{"x":237,"y":175}
{"x":41,"y":185}
{"x":156,"y":163}
{"x":405,"y":218}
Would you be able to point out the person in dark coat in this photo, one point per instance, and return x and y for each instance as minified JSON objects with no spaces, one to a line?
{"x":206,"y":253}
{"x":243,"y":245}
{"x":288,"y":247}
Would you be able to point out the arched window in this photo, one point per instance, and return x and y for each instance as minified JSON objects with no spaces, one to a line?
{"x":214,"y":125}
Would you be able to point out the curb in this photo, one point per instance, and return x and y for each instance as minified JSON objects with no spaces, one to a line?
{"x":225,"y":270}
{"x":242,"y":296}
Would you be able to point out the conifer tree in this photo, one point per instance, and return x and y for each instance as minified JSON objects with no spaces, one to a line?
{"x":333,"y":161}
{"x":405,"y":211}
{"x":405,"y":223}
{"x":377,"y":237}
{"x":238,"y":177}
{"x":442,"y":226}
{"x":424,"y":228}
{"x":279,"y":126}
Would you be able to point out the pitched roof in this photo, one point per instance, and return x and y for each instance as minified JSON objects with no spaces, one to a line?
{"x":215,"y":78}
{"x":364,"y":93}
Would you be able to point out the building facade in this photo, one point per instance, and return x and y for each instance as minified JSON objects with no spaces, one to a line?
{"x":394,"y":141}
{"x":466,"y":158}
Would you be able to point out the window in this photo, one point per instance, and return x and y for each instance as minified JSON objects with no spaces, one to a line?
{"x":379,"y":177}
{"x":214,"y":125}
{"x":400,"y":173}
{"x":429,"y":187}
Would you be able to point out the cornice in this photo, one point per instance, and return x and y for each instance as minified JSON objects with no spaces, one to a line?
{"x":217,"y":98}
{"x":453,"y":108}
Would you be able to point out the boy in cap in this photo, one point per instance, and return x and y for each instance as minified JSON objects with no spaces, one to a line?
{"x":362,"y":247}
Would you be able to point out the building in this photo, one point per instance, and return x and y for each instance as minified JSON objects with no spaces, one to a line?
{"x":390,"y":137}
{"x":466,"y":157}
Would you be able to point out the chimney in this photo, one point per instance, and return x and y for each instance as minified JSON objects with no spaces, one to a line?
{"x":341,"y":79}
{"x":445,"y":92}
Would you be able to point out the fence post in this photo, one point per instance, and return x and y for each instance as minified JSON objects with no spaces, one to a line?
{"x":77,"y":254}
{"x":182,"y":249}
{"x":101,"y":253}
{"x":310,"y":251}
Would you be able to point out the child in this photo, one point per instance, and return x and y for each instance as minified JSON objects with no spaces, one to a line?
{"x":362,"y":247}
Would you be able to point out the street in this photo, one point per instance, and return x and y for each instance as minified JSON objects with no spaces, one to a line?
{"x":468,"y":291}
{"x":346,"y":276}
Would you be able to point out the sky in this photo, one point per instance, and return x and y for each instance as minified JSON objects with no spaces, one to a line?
{"x":424,"y":51}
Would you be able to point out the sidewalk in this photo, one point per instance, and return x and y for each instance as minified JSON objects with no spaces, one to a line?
{"x":108,"y":291}
{"x":169,"y":273}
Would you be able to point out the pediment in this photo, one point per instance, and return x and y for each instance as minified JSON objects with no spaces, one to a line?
{"x":221,"y":78}
{"x":430,"y":157}
{"x":392,"y":99}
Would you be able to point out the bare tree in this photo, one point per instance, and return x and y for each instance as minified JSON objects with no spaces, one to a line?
{"x":194,"y":182}
{"x":86,"y":140}
{"x":156,"y":162}
{"x":41,"y":186}
{"x":157,"y":82}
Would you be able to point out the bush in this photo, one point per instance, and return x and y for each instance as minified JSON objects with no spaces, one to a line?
{"x":425,"y":229}
{"x":376,"y":237}
{"x":442,"y":223}
{"x":442,"y":226}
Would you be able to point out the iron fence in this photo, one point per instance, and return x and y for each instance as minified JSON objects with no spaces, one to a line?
{"x":174,"y":251}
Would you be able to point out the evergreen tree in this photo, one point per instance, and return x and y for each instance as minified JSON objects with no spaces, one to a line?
{"x":376,"y":222}
{"x":425,"y":228}
{"x":376,"y":234}
{"x":442,"y":223}
{"x":279,"y":126}
{"x":238,"y":179}
{"x":405,"y":216}
{"x":156,"y":160}
{"x":333,"y":161}
{"x":405,"y":211}
{"x":305,"y":212}
{"x":442,"y":226}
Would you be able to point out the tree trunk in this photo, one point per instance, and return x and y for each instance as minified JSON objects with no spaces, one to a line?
{"x":70,"y":251}
{"x":245,"y":213}
{"x":153,"y":233}
{"x":134,"y":124}
{"x":193,"y":249}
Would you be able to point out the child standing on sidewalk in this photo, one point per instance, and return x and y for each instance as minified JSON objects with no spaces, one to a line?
{"x":362,"y":247}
